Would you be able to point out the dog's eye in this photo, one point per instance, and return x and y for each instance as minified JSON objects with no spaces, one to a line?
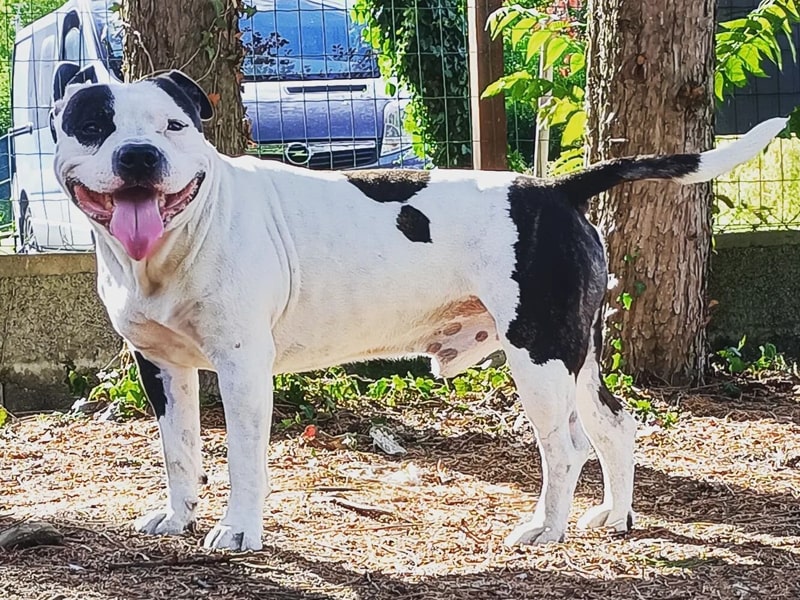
{"x":90,"y":128}
{"x":175,"y":125}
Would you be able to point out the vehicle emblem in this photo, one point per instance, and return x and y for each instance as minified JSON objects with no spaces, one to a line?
{"x":297,"y":153}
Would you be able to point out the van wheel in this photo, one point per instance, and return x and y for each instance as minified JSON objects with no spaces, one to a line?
{"x":27,"y":239}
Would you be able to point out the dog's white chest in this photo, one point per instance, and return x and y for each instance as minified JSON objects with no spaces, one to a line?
{"x":165,"y":332}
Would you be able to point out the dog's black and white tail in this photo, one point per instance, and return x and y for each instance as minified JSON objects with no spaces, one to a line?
{"x":683,"y":168}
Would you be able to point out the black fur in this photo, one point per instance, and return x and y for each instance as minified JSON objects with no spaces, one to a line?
{"x":414,"y":224}
{"x":561,"y":272}
{"x":580,"y":187}
{"x":62,"y":77}
{"x":149,"y":375}
{"x":389,"y":185}
{"x":89,"y":115}
{"x":598,"y":338}
{"x":611,"y":401}
{"x":188,"y":95}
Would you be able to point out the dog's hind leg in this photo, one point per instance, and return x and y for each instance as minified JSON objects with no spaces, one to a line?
{"x":547,"y":392}
{"x":612,"y":432}
{"x":173,"y":394}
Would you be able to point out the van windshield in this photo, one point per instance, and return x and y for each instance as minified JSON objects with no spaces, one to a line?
{"x":284,"y":40}
{"x":288,"y":40}
{"x":108,"y":28}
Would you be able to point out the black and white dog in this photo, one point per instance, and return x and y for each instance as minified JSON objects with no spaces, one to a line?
{"x":252,"y":268}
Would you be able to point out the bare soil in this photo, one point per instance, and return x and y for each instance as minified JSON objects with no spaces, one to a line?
{"x":718,"y":498}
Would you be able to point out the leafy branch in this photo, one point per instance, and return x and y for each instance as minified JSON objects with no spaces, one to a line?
{"x":743,"y":47}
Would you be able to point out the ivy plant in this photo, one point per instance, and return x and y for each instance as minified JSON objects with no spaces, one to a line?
{"x":422,"y":47}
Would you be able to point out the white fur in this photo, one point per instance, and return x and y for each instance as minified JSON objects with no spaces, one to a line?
{"x":721,"y":160}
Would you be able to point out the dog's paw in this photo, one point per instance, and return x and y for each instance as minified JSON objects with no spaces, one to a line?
{"x":603,"y":516}
{"x":233,"y":537}
{"x":532,"y":532}
{"x":163,"y":522}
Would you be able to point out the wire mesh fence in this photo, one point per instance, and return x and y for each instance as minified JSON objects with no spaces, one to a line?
{"x":339,"y":84}
{"x":763,"y":194}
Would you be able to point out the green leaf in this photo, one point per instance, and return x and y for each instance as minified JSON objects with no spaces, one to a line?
{"x":719,"y":85}
{"x":554,"y":50}
{"x":521,"y":29}
{"x":3,"y":416}
{"x":626,"y":300}
{"x":500,"y":22}
{"x":574,"y":129}
{"x":535,"y":42}
{"x":577,"y":62}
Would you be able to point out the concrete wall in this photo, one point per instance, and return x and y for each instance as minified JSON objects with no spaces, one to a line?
{"x":50,"y":314}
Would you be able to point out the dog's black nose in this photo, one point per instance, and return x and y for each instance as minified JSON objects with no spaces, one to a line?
{"x":139,"y":162}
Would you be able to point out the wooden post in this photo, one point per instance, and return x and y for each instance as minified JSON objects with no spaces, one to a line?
{"x":489,"y":142}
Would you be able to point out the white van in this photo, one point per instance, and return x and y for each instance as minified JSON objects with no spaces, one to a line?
{"x":321,"y":104}
{"x":46,"y":219}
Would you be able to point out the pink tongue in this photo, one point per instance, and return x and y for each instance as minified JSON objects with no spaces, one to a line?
{"x":136,"y":221}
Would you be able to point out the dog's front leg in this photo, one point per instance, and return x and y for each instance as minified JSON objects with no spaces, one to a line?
{"x":245,"y":382}
{"x":173,"y":394}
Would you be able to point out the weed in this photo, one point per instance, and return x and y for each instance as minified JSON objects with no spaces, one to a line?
{"x":732,"y":360}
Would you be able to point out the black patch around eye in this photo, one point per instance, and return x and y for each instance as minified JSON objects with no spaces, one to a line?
{"x":182,"y":99}
{"x":89,"y":115}
{"x":389,"y":185}
{"x":414,"y":224}
{"x":149,"y":375}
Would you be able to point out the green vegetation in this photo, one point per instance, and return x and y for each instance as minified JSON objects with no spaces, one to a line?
{"x":763,"y":193}
{"x":422,"y":45}
{"x":743,"y":47}
{"x":734,"y":360}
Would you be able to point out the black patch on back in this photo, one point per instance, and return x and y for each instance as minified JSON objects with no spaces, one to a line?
{"x":561,"y":272}
{"x":182,"y":99}
{"x":149,"y":375}
{"x":389,"y":185}
{"x":414,"y":224}
{"x":89,"y":115}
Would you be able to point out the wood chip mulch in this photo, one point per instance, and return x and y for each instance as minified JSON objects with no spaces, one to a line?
{"x":718,"y":498}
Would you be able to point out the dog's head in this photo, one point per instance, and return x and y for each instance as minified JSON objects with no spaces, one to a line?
{"x":132,"y":156}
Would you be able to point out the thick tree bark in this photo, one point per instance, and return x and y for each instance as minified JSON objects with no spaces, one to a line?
{"x":201,"y":38}
{"x":650,"y":90}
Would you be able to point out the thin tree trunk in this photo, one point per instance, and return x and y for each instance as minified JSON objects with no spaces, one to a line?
{"x":202,"y":39}
{"x":650,"y":90}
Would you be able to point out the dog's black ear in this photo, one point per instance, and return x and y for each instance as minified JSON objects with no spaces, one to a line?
{"x":69,"y":73}
{"x":193,"y":90}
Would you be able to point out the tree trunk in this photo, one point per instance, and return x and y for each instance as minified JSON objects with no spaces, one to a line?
{"x":650,"y":90}
{"x":201,"y":38}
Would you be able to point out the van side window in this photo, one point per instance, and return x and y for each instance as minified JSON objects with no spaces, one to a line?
{"x":73,"y":45}
{"x":23,"y":70}
{"x":41,"y":82}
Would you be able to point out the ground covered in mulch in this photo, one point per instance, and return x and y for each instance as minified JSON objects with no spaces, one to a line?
{"x":718,"y":498}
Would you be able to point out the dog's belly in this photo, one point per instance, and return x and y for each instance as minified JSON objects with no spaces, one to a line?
{"x":456,"y":334}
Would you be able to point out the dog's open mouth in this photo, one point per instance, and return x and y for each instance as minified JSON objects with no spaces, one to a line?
{"x":135,"y":215}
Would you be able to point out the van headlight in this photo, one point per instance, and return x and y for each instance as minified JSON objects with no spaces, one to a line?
{"x":395,"y":138}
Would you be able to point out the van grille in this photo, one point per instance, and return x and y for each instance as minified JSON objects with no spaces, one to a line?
{"x":324,"y":155}
{"x":343,"y":159}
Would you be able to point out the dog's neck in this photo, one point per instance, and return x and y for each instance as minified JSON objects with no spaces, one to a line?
{"x":177,"y":249}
